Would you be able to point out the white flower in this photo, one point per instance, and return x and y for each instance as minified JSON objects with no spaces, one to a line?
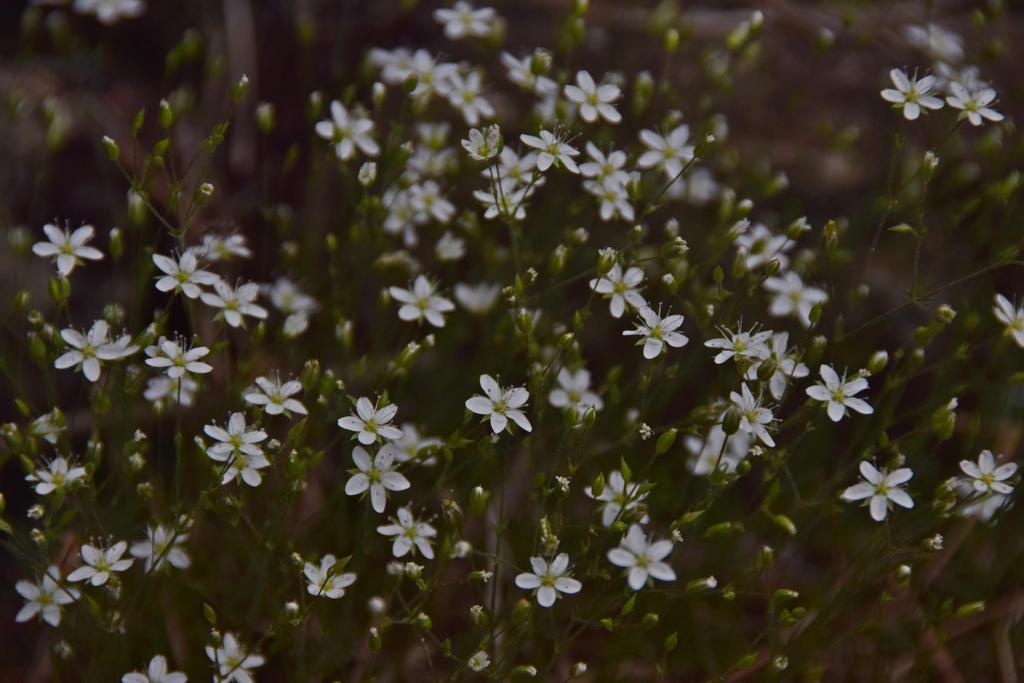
{"x":91,"y":348}
{"x":670,"y":153}
{"x":449,"y":247}
{"x":294,"y":303}
{"x":911,"y":95}
{"x":549,"y":579}
{"x":478,"y":299}
{"x":485,"y":145}
{"x":235,"y":302}
{"x":409,"y":534}
{"x":603,"y":167}
{"x":431,"y":76}
{"x":275,"y":396}
{"x":614,"y":199}
{"x":217,"y":248}
{"x":372,"y":423}
{"x":162,"y":390}
{"x":156,"y":672}
{"x":618,"y":498}
{"x":1012,"y":317}
{"x":178,"y":361}
{"x":708,"y":453}
{"x":236,"y":446}
{"x":56,"y":476}
{"x":508,"y":202}
{"x":410,"y":446}
{"x":620,"y":288}
{"x":421,"y":302}
{"x":233,"y":661}
{"x":573,"y":392}
{"x":642,"y":558}
{"x":45,"y":598}
{"x":594,"y":100}
{"x":479,"y":661}
{"x":99,"y":563}
{"x":520,"y":72}
{"x":754,"y":418}
{"x":109,"y":12}
{"x":838,"y":394}
{"x":552,"y":151}
{"x":464,"y":94}
{"x":162,"y":547}
{"x":347,"y":132}
{"x":48,"y":427}
{"x":973,"y":105}
{"x":987,"y":479}
{"x":740,"y":345}
{"x":425,"y":198}
{"x":881,"y":487}
{"x":66,"y":248}
{"x":655,"y":331}
{"x":463,"y":20}
{"x":500,"y":405}
{"x":758,"y":246}
{"x":786,"y":366}
{"x":792,"y":296}
{"x":936,"y":41}
{"x":516,"y":171}
{"x":378,"y":475}
{"x":326,"y":581}
{"x":183,"y":275}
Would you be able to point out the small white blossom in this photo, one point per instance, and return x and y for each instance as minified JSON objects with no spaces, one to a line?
{"x":754,"y":418}
{"x":549,"y":579}
{"x":109,"y":12}
{"x":177,"y":360}
{"x":973,"y":105}
{"x":655,"y":332}
{"x":882,"y":488}
{"x":421,"y":302}
{"x":182,"y":275}
{"x":237,"y":446}
{"x":985,"y":478}
{"x":67,"y":249}
{"x":714,"y":451}
{"x":553,"y":151}
{"x":483,"y":145}
{"x":162,"y":547}
{"x":347,"y":132}
{"x":233,"y":662}
{"x":758,"y":246}
{"x":500,"y":405}
{"x":235,"y":302}
{"x":838,"y":394}
{"x":1011,"y":317}
{"x":99,"y":563}
{"x":45,"y":598}
{"x":669,"y":152}
{"x":479,"y":662}
{"x":275,"y":396}
{"x":91,"y":348}
{"x":378,"y":475}
{"x":410,"y":534}
{"x":156,"y":672}
{"x":793,"y":297}
{"x":642,"y":558}
{"x":573,"y":391}
{"x":463,"y":20}
{"x":911,"y":94}
{"x":465,"y":95}
{"x":740,"y":345}
{"x":57,"y":475}
{"x":620,"y":288}
{"x":478,"y":299}
{"x":371,"y":423}
{"x":594,"y":100}
{"x":618,"y":498}
{"x":325,"y":580}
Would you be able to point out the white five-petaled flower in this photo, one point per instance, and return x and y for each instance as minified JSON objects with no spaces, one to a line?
{"x":642,"y":558}
{"x":45,"y":597}
{"x":183,"y":275}
{"x":973,"y":104}
{"x":465,"y":93}
{"x":754,"y":418}
{"x":347,"y":132}
{"x":793,"y":297}
{"x":92,"y":347}
{"x":412,"y":446}
{"x":326,"y":581}
{"x":603,"y":167}
{"x":162,"y":547}
{"x":109,"y":12}
{"x":55,"y":476}
{"x":655,"y":331}
{"x":669,"y":152}
{"x":222,"y":247}
{"x":294,"y":303}
{"x":985,"y":477}
{"x":838,"y":394}
{"x":464,"y":20}
{"x":276,"y":396}
{"x":618,"y":498}
{"x":422,"y":302}
{"x":911,"y":94}
{"x":553,"y":151}
{"x":759,"y":246}
{"x":234,"y":662}
{"x":787,"y":366}
{"x":573,"y":391}
{"x":377,"y":475}
{"x":156,"y":672}
{"x":483,"y":145}
{"x":715,"y":452}
{"x":99,"y":563}
{"x":371,"y":423}
{"x":237,"y":446}
{"x":882,"y":488}
{"x":549,"y":579}
{"x":178,"y":360}
{"x":594,"y":100}
{"x":1012,"y":318}
{"x":410,"y":534}
{"x":235,"y":302}
{"x":620,"y":288}
{"x":740,"y":345}
{"x":500,"y":405}
{"x":66,"y":248}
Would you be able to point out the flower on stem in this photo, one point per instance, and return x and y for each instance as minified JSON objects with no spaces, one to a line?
{"x":91,"y":348}
{"x":235,"y":302}
{"x":620,"y":288}
{"x":668,"y":152}
{"x":642,"y":558}
{"x":45,"y":598}
{"x":326,"y":581}
{"x":464,"y":94}
{"x":740,"y":345}
{"x":156,"y":672}
{"x":573,"y":392}
{"x":500,"y":405}
{"x":347,"y":132}
{"x":66,"y":248}
{"x":973,"y":104}
{"x":838,"y":394}
{"x":379,"y":475}
{"x":463,"y":20}
{"x":56,"y":475}
{"x":275,"y":396}
{"x":754,"y":418}
{"x":410,"y":534}
{"x":483,"y":145}
{"x":549,"y":579}
{"x":421,"y":302}
{"x":618,"y":498}
{"x":178,"y":360}
{"x":183,"y":275}
{"x":162,"y":547}
{"x":370,"y":423}
{"x":233,"y":661}
{"x":594,"y":100}
{"x":655,"y":332}
{"x":787,"y":366}
{"x":882,"y":488}
{"x":237,"y":446}
{"x":985,"y":478}
{"x":793,"y":297}
{"x":1011,"y":317}
{"x":553,"y":151}
{"x":99,"y":563}
{"x":911,"y":94}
